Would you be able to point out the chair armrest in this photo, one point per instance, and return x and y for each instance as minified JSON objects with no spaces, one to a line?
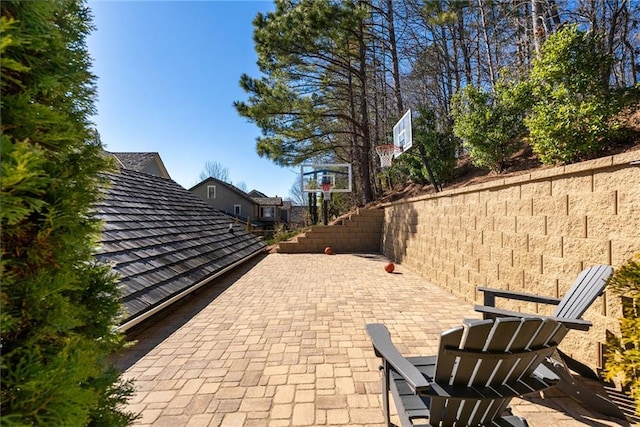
{"x":490,"y":312}
{"x":490,"y":295}
{"x":385,"y":349}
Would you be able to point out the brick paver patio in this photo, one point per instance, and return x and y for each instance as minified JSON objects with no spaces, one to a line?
{"x":281,"y":342}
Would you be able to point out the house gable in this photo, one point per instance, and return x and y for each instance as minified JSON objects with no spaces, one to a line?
{"x":225,"y":197}
{"x":148,"y":162}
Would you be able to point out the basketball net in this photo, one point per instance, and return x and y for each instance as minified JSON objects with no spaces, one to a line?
{"x":386,"y":152}
{"x":326,"y":190}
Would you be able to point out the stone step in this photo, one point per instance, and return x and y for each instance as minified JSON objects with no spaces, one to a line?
{"x":359,"y":232}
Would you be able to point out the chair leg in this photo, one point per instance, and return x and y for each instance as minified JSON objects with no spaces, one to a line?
{"x":385,"y":392}
{"x":578,"y":367}
{"x":583,"y":394}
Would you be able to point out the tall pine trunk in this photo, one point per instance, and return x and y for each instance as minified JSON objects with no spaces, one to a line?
{"x":365,"y":149}
{"x":394,"y":57}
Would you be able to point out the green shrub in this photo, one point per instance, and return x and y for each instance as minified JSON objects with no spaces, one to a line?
{"x":572,"y":110}
{"x":439,"y":146}
{"x":281,"y":234}
{"x":490,"y":124}
{"x":623,"y":352}
{"x":58,"y":307}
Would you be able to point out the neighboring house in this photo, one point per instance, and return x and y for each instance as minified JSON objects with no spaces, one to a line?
{"x":285,"y":212}
{"x":256,"y":193}
{"x":150,"y":163}
{"x":226,"y":198}
{"x":263,"y":212}
{"x":164,"y":242}
{"x":269,"y":209}
{"x":299,"y":217}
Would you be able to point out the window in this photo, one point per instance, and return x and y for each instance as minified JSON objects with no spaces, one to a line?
{"x":237,"y":210}
{"x":211,"y":191}
{"x":268,"y":211}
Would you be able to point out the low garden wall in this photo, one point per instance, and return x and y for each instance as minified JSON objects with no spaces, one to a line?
{"x":532,"y":232}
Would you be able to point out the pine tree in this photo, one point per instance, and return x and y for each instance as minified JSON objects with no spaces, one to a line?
{"x":58,"y":306}
{"x":311,"y":101}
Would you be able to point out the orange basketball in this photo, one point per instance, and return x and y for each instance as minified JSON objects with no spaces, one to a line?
{"x":328,"y":250}
{"x":389,"y":267}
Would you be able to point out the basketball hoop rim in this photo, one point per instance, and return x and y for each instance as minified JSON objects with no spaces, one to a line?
{"x":386,"y":152}
{"x":326,"y":190}
{"x":383,"y":149}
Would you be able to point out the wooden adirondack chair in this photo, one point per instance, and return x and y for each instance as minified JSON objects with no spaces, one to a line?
{"x":585,"y":289}
{"x":479,"y":368}
{"x":588,"y":286}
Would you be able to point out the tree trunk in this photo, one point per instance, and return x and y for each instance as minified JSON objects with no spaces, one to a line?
{"x":632,"y":55}
{"x":485,"y":35}
{"x":523,"y":45}
{"x":378,"y":82}
{"x":353,"y":139}
{"x":537,"y":20}
{"x":365,"y":149}
{"x":394,"y":57}
{"x":555,"y":16}
{"x":464,"y":48}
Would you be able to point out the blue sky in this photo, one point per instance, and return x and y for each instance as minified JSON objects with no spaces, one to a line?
{"x":168,"y":75}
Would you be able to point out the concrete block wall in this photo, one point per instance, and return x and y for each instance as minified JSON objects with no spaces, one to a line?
{"x":360,"y":232}
{"x":533,"y":232}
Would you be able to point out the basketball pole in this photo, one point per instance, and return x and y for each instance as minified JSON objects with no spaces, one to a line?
{"x":325,"y":210}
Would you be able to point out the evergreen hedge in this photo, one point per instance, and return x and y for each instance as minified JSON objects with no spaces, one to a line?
{"x":58,"y":306}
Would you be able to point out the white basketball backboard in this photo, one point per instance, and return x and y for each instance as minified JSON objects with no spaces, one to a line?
{"x":337,"y":174}
{"x":402,"y":136}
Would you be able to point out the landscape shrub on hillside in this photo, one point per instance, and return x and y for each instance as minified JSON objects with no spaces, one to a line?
{"x":572,"y":104}
{"x":490,"y":123}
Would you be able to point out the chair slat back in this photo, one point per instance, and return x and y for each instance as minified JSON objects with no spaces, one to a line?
{"x":485,"y":358}
{"x":444,"y":367}
{"x":588,"y":286}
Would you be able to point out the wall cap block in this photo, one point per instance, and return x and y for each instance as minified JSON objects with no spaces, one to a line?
{"x":528,"y":176}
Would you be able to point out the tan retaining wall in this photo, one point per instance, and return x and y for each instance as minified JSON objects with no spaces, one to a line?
{"x":532,"y":232}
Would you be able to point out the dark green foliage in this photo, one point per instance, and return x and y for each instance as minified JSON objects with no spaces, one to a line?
{"x":409,"y":166}
{"x":338,"y":204}
{"x":490,"y":124}
{"x":59,"y":307}
{"x":572,"y":111}
{"x":623,"y":352}
{"x":439,"y":146}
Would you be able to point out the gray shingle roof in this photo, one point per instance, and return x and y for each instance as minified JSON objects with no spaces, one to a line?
{"x":256,"y":193}
{"x":163,"y":240}
{"x":267,"y":201}
{"x":135,"y":161}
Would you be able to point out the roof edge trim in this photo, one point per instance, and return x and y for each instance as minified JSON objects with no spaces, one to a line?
{"x":131,"y":323}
